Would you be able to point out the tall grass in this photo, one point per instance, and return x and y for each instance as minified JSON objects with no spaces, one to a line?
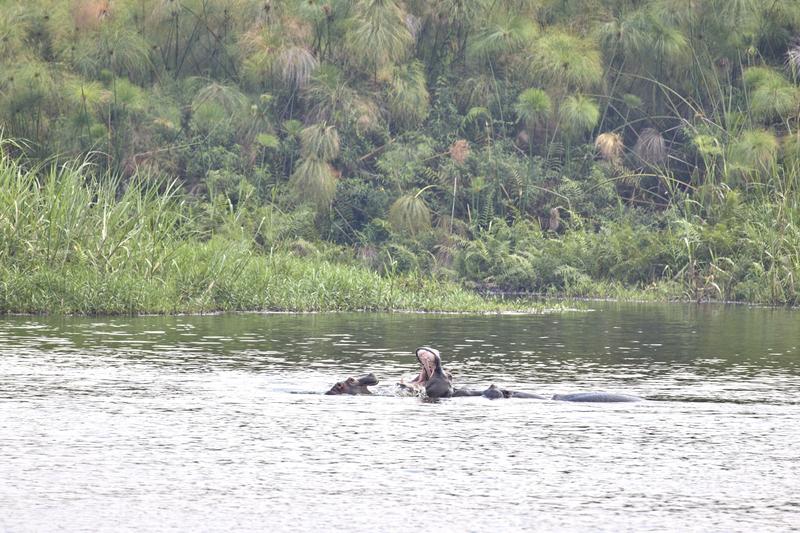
{"x":58,"y":216}
{"x":72,"y":244}
{"x":740,"y":250}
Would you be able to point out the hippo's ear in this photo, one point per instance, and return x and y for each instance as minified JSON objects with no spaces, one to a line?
{"x":336,"y":389}
{"x":351,"y":381}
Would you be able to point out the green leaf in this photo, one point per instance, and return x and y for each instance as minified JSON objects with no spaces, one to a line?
{"x":267,"y":140}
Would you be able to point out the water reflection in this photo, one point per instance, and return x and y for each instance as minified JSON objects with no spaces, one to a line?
{"x":657,"y":351}
{"x":188,"y":422}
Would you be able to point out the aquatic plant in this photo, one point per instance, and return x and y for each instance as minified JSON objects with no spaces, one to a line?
{"x":408,"y":95}
{"x":578,"y":115}
{"x":532,"y":106}
{"x":379,"y":36}
{"x":409,"y":213}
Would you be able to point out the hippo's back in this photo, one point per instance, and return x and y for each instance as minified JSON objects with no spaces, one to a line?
{"x":596,"y":397}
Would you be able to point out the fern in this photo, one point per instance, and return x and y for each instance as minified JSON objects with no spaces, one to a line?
{"x":487,"y":209}
{"x":554,"y":160}
{"x":475,"y":114}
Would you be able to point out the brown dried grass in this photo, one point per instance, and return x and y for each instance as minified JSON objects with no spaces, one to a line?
{"x":90,"y":14}
{"x":609,"y":146}
{"x":459,"y":151}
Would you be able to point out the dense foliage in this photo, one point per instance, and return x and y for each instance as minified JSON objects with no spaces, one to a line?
{"x":68,"y":245}
{"x":578,"y":147}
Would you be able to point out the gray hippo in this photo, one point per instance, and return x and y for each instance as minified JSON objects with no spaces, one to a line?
{"x":495,"y":393}
{"x":438,"y":383}
{"x":354,"y":385}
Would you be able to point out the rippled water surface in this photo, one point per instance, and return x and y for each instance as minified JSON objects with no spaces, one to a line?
{"x":219,"y":423}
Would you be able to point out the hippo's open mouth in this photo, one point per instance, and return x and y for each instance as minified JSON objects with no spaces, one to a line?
{"x":427,"y":361}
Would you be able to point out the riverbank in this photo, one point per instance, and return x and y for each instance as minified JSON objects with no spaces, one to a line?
{"x":70,"y":244}
{"x":74,"y":244}
{"x":224,"y":276}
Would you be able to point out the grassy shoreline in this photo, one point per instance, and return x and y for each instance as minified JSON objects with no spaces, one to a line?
{"x":252,"y":282}
{"x":72,"y":244}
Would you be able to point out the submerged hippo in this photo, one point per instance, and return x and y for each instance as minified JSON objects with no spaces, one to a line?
{"x":354,"y":385}
{"x":595,"y":397}
{"x":495,"y":393}
{"x":437,"y":383}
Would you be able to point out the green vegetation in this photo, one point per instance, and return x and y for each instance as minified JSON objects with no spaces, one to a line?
{"x":70,"y":245}
{"x":296,"y":154}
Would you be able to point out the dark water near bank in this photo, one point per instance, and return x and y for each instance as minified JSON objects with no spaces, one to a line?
{"x":217,"y":423}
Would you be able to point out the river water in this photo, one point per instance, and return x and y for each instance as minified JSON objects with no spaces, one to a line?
{"x":219,"y":423}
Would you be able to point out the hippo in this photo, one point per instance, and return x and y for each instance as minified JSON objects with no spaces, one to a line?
{"x":494,"y":393}
{"x":354,"y":385}
{"x":437,"y":383}
{"x":600,"y":397}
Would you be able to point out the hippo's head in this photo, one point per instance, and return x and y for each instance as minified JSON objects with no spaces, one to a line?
{"x":437,"y":382}
{"x":429,"y":359}
{"x":494,"y":393}
{"x":354,"y":385}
